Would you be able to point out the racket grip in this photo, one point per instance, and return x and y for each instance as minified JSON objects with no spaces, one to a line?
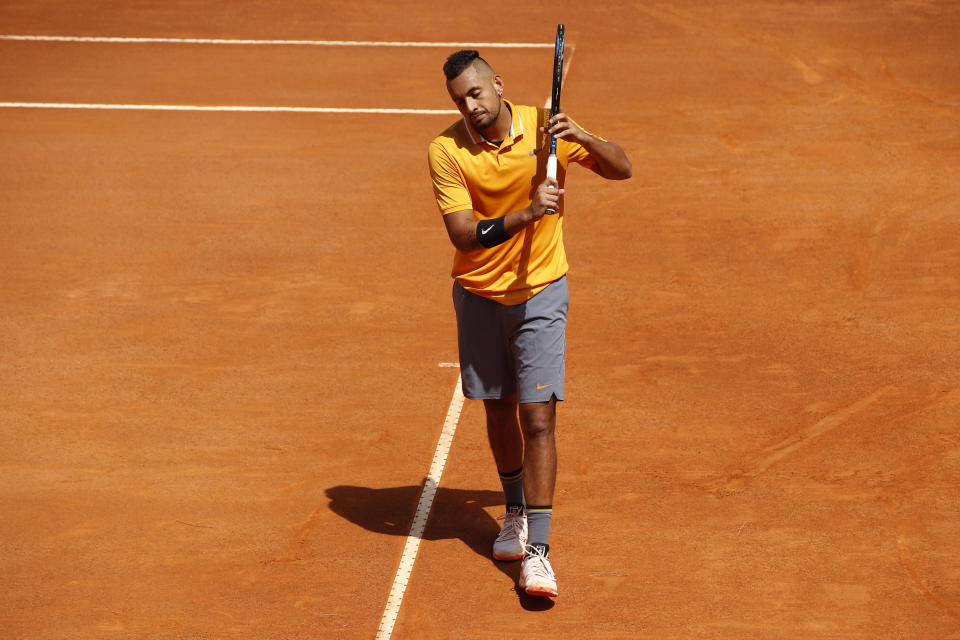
{"x":551,"y":173}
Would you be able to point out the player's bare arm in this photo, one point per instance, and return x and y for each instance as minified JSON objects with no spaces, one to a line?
{"x":612,"y":162}
{"x":462,"y":225}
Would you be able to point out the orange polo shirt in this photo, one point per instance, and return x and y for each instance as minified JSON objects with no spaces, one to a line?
{"x":469,"y":172}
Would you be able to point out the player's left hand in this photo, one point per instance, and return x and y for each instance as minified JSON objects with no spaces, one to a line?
{"x":564,"y":128}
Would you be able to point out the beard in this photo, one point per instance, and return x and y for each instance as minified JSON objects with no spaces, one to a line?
{"x":488,"y":119}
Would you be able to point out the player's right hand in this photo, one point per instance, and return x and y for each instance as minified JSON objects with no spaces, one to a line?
{"x":547,"y":196}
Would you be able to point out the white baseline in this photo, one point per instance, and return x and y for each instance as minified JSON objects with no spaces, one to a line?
{"x":430,"y":486}
{"x":298,"y":43}
{"x":188,"y":107}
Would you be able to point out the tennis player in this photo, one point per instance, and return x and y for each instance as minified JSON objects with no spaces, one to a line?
{"x":510,"y":290}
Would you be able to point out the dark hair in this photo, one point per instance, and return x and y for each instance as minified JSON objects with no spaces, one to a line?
{"x":459,"y":61}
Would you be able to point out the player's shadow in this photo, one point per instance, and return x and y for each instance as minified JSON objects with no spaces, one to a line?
{"x":456,"y":513}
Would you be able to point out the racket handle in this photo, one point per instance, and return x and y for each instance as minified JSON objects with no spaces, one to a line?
{"x":551,"y":173}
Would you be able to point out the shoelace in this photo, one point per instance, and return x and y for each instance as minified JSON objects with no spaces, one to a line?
{"x":537,"y":565}
{"x":513,"y":526}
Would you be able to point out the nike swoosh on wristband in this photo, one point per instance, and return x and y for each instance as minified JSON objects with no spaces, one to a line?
{"x":484,"y":231}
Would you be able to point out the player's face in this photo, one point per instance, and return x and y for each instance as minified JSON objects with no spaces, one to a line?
{"x":477,"y":95}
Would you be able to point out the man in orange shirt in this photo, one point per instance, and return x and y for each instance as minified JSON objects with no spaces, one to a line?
{"x":510,"y":292}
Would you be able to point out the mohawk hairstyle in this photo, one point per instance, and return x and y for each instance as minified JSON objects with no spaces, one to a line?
{"x":459,"y":61}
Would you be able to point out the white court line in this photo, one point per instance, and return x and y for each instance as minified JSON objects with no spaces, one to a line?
{"x":187,"y":107}
{"x":301,"y":43}
{"x":392,"y":610}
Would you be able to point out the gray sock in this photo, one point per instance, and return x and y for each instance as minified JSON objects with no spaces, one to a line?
{"x":538,"y":524}
{"x":513,"y":489}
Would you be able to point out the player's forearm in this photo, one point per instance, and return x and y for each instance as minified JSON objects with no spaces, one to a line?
{"x":467,"y":238}
{"x":517,"y":220}
{"x":612,"y":162}
{"x":469,"y":234}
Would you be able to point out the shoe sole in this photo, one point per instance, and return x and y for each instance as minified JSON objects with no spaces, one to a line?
{"x":543,"y":592}
{"x":507,"y":558}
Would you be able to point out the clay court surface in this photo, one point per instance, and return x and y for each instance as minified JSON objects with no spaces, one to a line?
{"x":221,"y":332}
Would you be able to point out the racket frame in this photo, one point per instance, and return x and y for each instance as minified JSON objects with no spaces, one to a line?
{"x":555,"y":102}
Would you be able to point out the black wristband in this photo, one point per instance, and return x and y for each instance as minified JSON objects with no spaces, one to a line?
{"x":490,"y":233}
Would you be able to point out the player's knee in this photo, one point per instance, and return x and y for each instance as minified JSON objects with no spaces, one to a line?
{"x":538,"y":425}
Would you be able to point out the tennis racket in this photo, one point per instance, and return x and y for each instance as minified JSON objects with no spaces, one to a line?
{"x":555,"y":104}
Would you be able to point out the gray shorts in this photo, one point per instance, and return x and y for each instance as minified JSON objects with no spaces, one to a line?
{"x":513,"y":349}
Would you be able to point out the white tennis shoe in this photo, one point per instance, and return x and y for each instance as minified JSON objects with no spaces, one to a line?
{"x":536,"y":574}
{"x":512,"y":540}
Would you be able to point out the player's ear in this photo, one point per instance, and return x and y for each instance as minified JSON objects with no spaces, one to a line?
{"x":498,"y":84}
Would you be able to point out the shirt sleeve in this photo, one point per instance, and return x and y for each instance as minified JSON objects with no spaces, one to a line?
{"x":449,"y":184}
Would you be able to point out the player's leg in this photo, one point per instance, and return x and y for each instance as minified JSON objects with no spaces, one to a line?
{"x":538,"y":421}
{"x":506,"y":443}
{"x":486,"y":368}
{"x":503,"y":432}
{"x":539,"y":348}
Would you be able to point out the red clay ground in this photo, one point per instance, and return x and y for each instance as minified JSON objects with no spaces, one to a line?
{"x":220,"y":332}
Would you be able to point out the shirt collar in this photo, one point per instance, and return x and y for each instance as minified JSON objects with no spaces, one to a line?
{"x":516,"y":124}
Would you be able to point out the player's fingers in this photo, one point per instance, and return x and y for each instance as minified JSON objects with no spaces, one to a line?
{"x":560,"y":118}
{"x":554,"y":121}
{"x":551,"y":197}
{"x":548,"y":193}
{"x":560,"y":130}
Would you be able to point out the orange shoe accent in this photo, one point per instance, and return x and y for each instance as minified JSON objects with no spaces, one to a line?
{"x":542,"y":591}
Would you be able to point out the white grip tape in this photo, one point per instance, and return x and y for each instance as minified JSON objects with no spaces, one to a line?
{"x":551,"y":173}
